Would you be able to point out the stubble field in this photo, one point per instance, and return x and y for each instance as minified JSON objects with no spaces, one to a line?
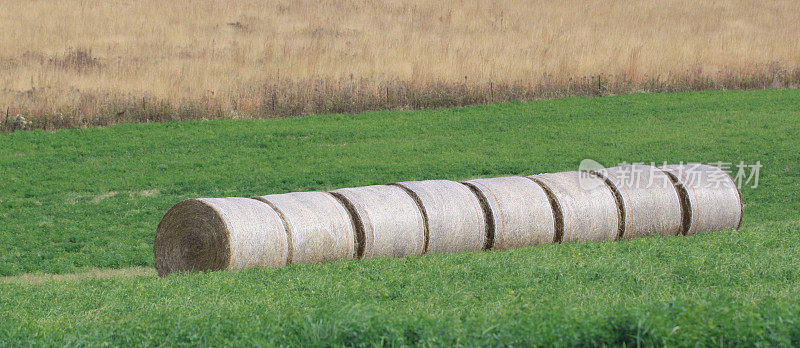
{"x":75,"y":63}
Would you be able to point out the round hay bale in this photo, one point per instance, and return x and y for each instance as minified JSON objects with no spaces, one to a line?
{"x":219,"y":233}
{"x":319,"y":226}
{"x":520,"y":212}
{"x":710,"y":199}
{"x":647,"y":199}
{"x":388,"y":219}
{"x":585,"y":208}
{"x":454,"y":218}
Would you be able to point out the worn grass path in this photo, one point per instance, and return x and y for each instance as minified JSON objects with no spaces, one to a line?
{"x":96,"y":273}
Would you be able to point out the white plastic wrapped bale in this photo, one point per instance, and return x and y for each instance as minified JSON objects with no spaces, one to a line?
{"x":586,"y":209}
{"x":453,"y":215}
{"x":710,"y":198}
{"x":520,"y":214}
{"x":219,"y":233}
{"x":647,"y":198}
{"x":319,"y":226}
{"x":388,"y":220}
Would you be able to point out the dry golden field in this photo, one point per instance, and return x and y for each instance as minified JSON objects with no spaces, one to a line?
{"x":66,"y":63}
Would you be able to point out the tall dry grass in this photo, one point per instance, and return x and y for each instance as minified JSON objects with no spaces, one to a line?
{"x":66,"y":63}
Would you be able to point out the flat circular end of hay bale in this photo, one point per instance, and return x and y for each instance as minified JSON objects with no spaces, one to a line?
{"x":192,"y":236}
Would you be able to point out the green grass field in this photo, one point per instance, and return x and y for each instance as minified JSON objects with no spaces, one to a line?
{"x":76,"y":200}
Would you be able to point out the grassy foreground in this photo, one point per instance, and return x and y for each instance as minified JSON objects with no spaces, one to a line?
{"x":727,"y":288}
{"x":91,"y":198}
